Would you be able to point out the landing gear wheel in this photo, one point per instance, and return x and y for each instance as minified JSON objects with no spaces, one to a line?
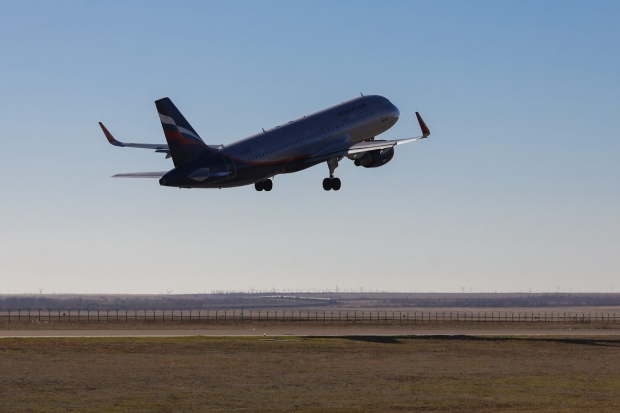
{"x":267,"y":185}
{"x":259,"y":186}
{"x":336,"y":184}
{"x":327,"y":184}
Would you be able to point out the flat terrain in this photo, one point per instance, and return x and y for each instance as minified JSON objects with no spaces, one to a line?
{"x":310,"y":374}
{"x":325,"y":331}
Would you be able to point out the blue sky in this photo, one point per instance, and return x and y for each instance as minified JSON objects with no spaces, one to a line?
{"x":517,"y":189}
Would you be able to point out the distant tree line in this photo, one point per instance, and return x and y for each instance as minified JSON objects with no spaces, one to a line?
{"x":308,"y":300}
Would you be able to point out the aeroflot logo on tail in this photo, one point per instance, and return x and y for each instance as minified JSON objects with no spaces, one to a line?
{"x":354,"y":108}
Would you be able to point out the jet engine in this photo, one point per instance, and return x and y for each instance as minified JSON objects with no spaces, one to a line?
{"x":375,"y":159}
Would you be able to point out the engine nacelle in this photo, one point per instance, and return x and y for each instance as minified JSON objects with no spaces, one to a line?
{"x":375,"y":159}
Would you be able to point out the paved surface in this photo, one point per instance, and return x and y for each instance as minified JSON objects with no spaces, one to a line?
{"x":318,"y":331}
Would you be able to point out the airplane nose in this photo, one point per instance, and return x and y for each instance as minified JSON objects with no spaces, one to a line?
{"x":395,"y":111}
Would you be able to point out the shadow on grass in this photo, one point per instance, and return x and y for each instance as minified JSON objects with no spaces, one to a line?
{"x":398,"y":339}
{"x":374,"y":339}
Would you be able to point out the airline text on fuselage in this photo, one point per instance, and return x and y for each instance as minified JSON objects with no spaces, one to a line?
{"x":353,"y":109}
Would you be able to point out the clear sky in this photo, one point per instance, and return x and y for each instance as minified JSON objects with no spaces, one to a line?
{"x":517,"y":188}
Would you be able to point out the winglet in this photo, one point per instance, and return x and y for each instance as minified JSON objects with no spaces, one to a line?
{"x":109,"y":136}
{"x":425,"y":131}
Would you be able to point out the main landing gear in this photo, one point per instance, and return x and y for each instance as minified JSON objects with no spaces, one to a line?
{"x":265,"y":185}
{"x":331,"y":182}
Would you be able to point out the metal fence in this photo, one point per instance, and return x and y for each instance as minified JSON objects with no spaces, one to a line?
{"x":266,"y":316}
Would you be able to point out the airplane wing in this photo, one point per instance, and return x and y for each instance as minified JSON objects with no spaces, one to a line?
{"x":141,"y":175}
{"x":354,"y":151}
{"x":161,"y":148}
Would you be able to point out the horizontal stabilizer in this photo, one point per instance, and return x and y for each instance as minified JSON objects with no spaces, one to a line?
{"x":141,"y":175}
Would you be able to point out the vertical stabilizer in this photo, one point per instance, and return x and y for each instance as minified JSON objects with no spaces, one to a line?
{"x":184,"y":143}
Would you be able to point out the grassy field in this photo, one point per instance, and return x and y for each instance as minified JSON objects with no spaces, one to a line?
{"x":308,"y":328}
{"x":355,"y":374}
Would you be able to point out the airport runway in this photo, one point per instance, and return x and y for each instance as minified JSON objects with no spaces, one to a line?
{"x":307,"y":332}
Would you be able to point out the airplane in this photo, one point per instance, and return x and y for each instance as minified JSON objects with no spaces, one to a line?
{"x":344,"y":130}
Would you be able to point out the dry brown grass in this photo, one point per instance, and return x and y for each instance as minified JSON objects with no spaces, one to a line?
{"x":355,"y":374}
{"x":308,"y":327}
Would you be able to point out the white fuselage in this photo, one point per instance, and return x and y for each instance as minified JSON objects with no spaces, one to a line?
{"x":356,"y":120}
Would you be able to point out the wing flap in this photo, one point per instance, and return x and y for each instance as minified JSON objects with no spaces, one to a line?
{"x":205,"y":173}
{"x":141,"y":175}
{"x":373,"y":145}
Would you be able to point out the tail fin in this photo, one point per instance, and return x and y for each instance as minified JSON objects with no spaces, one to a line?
{"x":184,"y":143}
